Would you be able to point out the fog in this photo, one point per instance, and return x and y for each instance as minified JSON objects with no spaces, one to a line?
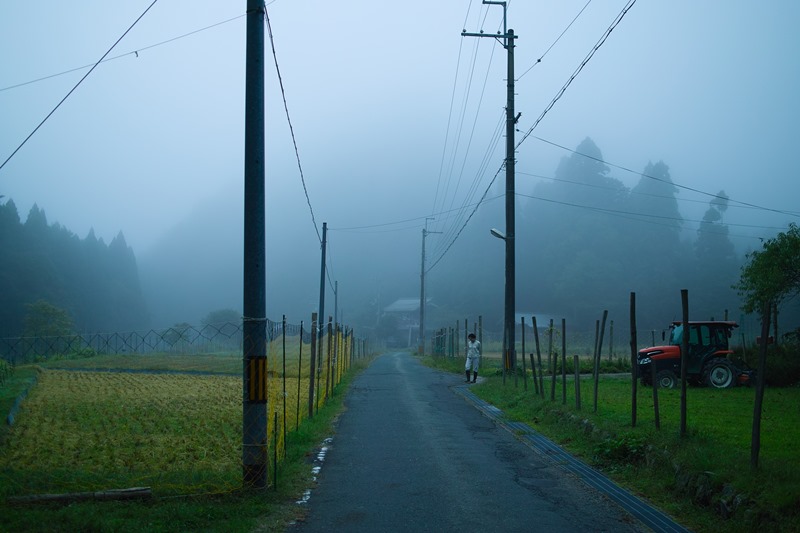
{"x":394,"y":115}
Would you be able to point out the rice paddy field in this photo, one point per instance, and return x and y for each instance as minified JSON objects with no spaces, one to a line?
{"x":171,"y":423}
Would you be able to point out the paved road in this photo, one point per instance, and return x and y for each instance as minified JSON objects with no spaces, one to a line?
{"x":410,"y":455}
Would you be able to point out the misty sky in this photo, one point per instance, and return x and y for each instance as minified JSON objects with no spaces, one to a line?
{"x":376,"y":94}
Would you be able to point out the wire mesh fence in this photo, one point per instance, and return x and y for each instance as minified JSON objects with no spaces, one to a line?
{"x":450,"y":341}
{"x":162,"y":409}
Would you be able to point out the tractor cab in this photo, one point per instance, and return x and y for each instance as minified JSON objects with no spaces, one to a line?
{"x":707,"y":360}
{"x":705,"y":339}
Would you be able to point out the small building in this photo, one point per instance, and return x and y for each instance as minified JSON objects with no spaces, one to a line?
{"x":405,"y":315}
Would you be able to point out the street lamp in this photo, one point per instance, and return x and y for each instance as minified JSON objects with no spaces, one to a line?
{"x":508,"y":320}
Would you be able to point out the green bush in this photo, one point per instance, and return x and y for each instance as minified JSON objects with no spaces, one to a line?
{"x":783,"y":365}
{"x":626,"y":449}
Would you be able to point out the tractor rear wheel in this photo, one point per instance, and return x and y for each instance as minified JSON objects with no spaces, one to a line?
{"x":667,"y":379}
{"x":720,"y":373}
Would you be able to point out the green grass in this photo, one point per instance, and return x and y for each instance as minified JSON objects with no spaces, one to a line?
{"x":716,"y":448}
{"x":228,"y":510}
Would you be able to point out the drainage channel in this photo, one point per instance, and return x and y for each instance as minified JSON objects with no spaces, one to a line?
{"x":644,"y":512}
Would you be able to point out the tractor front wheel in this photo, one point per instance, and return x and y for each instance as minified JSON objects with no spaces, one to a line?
{"x":667,"y":379}
{"x":720,"y":373}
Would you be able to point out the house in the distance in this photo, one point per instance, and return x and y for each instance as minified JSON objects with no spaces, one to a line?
{"x":401,"y":318}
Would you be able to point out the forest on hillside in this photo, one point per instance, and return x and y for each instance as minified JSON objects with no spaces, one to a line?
{"x":43,"y":265}
{"x":585,"y":241}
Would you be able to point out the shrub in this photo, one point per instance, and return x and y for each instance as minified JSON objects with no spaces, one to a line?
{"x":627,"y":449}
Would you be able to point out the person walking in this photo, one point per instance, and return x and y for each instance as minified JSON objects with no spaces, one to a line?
{"x":473,"y":357}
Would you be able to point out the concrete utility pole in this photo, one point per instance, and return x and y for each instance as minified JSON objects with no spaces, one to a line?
{"x":421,"y":337}
{"x":254,"y":305}
{"x":321,"y":320}
{"x":509,"y":322}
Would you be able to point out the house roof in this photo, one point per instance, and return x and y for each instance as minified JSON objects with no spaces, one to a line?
{"x":403,"y":305}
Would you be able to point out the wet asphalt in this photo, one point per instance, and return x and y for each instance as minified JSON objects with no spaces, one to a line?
{"x":409,"y":454}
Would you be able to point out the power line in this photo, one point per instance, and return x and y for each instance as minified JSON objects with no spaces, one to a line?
{"x":460,"y":130}
{"x":640,"y":216}
{"x":586,"y":60}
{"x":77,"y":84}
{"x":643,"y":217}
{"x":495,"y":139}
{"x":754,"y":206}
{"x":556,"y":41}
{"x":651,"y":195}
{"x":289,"y":120}
{"x":477,"y":205}
{"x":561,"y":92}
{"x":461,"y":121}
{"x":294,"y":142}
{"x":439,"y":214}
{"x":132,"y":52}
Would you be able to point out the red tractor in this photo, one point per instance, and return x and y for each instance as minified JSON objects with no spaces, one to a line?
{"x":708,"y":358}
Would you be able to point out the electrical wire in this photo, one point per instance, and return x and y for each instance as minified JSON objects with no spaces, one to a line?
{"x":459,"y":131}
{"x":477,"y":205}
{"x":289,"y":120}
{"x":556,"y":41}
{"x":497,"y":135}
{"x":577,"y":71}
{"x":643,"y":217}
{"x":454,"y":228}
{"x":294,"y":143}
{"x":651,"y":195}
{"x":407,"y":220}
{"x":132,"y":52}
{"x":461,"y":122}
{"x":754,"y":206}
{"x":561,"y":92}
{"x":77,"y":84}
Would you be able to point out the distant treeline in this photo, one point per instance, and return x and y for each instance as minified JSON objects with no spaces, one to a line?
{"x":96,"y":284}
{"x":584,"y":241}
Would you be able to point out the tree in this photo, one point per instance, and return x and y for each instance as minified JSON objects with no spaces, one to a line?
{"x":221,"y":317}
{"x":44,"y":319}
{"x":713,"y":245}
{"x":571,"y":245}
{"x":772,"y":275}
{"x":223,"y":325}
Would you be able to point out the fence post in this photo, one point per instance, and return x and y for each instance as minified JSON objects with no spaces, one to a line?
{"x":522,"y":339}
{"x":684,"y":357}
{"x":755,"y":438}
{"x":312,"y":365}
{"x":564,"y":361}
{"x":283,"y":380}
{"x":634,"y":363}
{"x":611,"y":341}
{"x":656,"y":413}
{"x":538,"y":356}
{"x":577,"y":363}
{"x":299,"y":378}
{"x":553,"y":359}
{"x":597,"y":359}
{"x":328,"y":382}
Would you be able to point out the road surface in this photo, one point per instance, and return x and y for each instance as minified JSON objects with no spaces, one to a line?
{"x":409,"y":454}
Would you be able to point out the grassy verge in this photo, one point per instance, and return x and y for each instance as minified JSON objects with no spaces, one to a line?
{"x":230,"y":511}
{"x":703,"y":479}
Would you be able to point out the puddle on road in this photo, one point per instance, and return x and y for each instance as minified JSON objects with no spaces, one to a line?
{"x":316,"y":469}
